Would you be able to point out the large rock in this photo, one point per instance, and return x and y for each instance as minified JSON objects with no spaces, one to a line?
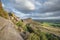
{"x":7,"y":30}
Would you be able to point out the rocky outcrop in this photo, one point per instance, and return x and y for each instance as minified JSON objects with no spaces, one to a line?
{"x":7,"y":30}
{"x":14,"y":18}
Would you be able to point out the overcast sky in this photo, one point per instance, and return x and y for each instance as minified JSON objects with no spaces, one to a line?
{"x":35,"y":9}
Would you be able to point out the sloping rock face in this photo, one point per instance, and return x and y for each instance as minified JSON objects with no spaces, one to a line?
{"x":7,"y":30}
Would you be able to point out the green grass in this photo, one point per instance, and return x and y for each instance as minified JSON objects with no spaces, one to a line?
{"x":46,"y":24}
{"x":21,"y":24}
{"x":36,"y":34}
{"x":33,"y":36}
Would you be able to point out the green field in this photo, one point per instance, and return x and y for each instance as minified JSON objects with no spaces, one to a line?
{"x":51,"y":24}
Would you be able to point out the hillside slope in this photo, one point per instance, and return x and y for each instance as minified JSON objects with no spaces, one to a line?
{"x":7,"y":30}
{"x":14,"y":28}
{"x":3,"y":13}
{"x":38,"y":25}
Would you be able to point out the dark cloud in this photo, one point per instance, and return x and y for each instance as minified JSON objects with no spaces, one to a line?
{"x":41,"y":9}
{"x":51,"y":6}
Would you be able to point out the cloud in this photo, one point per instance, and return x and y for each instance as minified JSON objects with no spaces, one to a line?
{"x":21,"y":4}
{"x":24,"y":5}
{"x":49,"y":18}
{"x":51,"y":6}
{"x":49,"y":9}
{"x":36,"y":9}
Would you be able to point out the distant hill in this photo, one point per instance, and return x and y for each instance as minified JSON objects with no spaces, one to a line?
{"x":53,"y":21}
